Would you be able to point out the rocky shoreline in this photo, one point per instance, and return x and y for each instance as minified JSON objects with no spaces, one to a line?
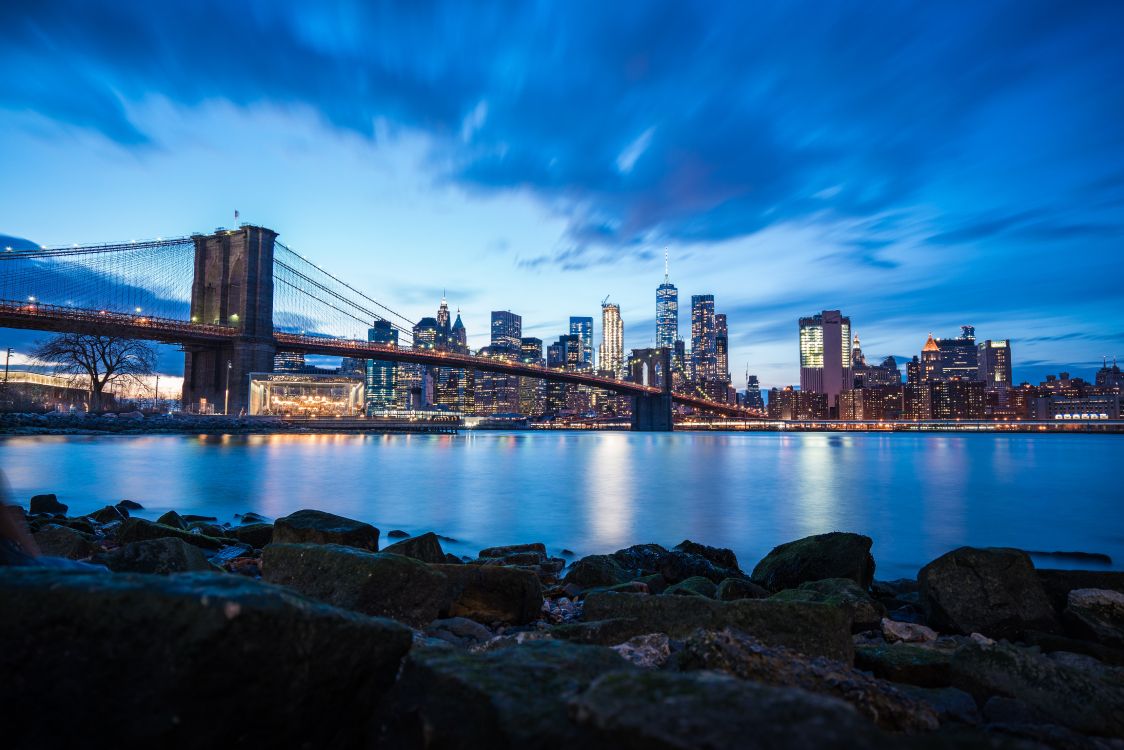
{"x":313,"y":630}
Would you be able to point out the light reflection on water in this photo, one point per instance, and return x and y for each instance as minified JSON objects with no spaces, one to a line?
{"x":917,"y":495}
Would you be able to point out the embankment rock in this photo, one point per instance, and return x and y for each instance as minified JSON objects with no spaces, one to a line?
{"x":866,"y":613}
{"x":1097,"y":614}
{"x":173,"y":519}
{"x":161,"y":556}
{"x":489,"y":593}
{"x":993,"y":591}
{"x":808,"y":627}
{"x":596,"y":570}
{"x":62,"y":541}
{"x":694,"y":586}
{"x":814,"y":558}
{"x":257,"y":535}
{"x":318,"y":527}
{"x":426,"y":548}
{"x":904,"y":662}
{"x":108,"y":514}
{"x":46,"y":504}
{"x":170,"y":673}
{"x":720,"y":556}
{"x":138,"y":530}
{"x":1058,"y":583}
{"x":373,"y":583}
{"x":739,"y":588}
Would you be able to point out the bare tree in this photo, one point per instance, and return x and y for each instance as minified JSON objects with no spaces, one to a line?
{"x":101,"y":359}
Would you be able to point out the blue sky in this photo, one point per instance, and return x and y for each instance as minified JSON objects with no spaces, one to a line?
{"x":919,"y":166}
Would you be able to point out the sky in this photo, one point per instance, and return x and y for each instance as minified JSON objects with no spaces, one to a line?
{"x":918,"y":166}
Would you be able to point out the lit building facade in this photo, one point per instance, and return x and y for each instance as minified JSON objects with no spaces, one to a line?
{"x":753,"y":399}
{"x":288,"y":361}
{"x":722,"y":347}
{"x":667,"y":311}
{"x":507,"y":330}
{"x":958,"y":356}
{"x":611,"y":359}
{"x":532,"y":391}
{"x":305,"y":395}
{"x":380,"y":376}
{"x":957,"y":399}
{"x":994,"y":362}
{"x":825,"y":355}
{"x":583,"y":329}
{"x":704,"y":355}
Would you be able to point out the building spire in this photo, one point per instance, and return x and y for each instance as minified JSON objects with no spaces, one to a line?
{"x":666,"y":275}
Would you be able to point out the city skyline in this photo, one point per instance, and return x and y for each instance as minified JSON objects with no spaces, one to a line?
{"x":911,"y":203}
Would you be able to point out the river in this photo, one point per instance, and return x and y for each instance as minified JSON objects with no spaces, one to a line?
{"x":917,"y":495}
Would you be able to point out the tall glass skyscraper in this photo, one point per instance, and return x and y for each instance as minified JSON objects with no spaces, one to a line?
{"x":507,"y":330}
{"x":825,"y":356}
{"x":722,"y":347}
{"x":667,"y":310}
{"x":612,"y":340}
{"x":704,"y":349}
{"x":379,"y":380}
{"x":583,"y":329}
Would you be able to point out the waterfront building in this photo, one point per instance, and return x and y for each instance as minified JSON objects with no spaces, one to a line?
{"x":583,"y":329}
{"x":563,"y":354}
{"x":993,"y":359}
{"x":351,"y":367}
{"x":1110,"y":378}
{"x":721,"y":348}
{"x":917,"y":400}
{"x":788,"y":403}
{"x":957,"y":399}
{"x":930,"y":360}
{"x":288,"y":361}
{"x":825,"y":355}
{"x":871,"y":403}
{"x":498,"y":393}
{"x":913,"y":370}
{"x":1079,"y":408}
{"x":532,"y":391}
{"x":959,"y":356}
{"x":704,"y":355}
{"x":305,"y":394}
{"x":753,"y":399}
{"x":884,"y":373}
{"x":380,"y":379}
{"x":455,"y":388}
{"x":611,"y":359}
{"x":667,"y":310}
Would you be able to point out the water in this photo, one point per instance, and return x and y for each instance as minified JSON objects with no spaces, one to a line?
{"x":918,"y":496}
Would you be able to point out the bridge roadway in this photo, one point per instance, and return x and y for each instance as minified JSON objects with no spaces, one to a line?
{"x":55,"y":318}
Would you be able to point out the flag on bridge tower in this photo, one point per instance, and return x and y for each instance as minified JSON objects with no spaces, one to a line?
{"x":236,"y":214}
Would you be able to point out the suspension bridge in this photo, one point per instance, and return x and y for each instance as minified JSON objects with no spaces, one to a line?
{"x":234,"y":298}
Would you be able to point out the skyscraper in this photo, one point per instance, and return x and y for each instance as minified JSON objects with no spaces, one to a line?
{"x":825,"y":356}
{"x":611,"y":359}
{"x":722,"y":347}
{"x":532,"y":391}
{"x":753,"y":398}
{"x":380,"y":376}
{"x":958,"y":356}
{"x":930,"y":361}
{"x":667,"y":310}
{"x":583,"y":329}
{"x":458,"y":337}
{"x":507,"y":330}
{"x":704,"y":353}
{"x":994,"y":361}
{"x":443,"y":330}
{"x":456,"y":387}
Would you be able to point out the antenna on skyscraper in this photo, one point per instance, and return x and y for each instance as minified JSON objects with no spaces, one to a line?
{"x":666,"y":275}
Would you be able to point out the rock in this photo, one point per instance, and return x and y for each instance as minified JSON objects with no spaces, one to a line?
{"x":451,"y":559}
{"x":677,"y":566}
{"x":992,"y":591}
{"x":866,"y":613}
{"x":648,"y":651}
{"x":652,"y":709}
{"x":251,"y":517}
{"x":160,"y":661}
{"x":129,"y":505}
{"x":743,"y":656}
{"x":208,"y":529}
{"x":425,"y":548}
{"x":812,"y":628}
{"x":61,"y":541}
{"x":514,"y":549}
{"x":641,"y":559}
{"x":596,"y":570}
{"x":397,"y":534}
{"x":257,"y":535}
{"x":655,"y":582}
{"x":195,"y":518}
{"x":814,"y":558}
{"x":173,"y":519}
{"x":513,"y":697}
{"x":1065,"y":695}
{"x":893,"y":589}
{"x":167,"y":555}
{"x":47,"y":504}
{"x":373,"y":583}
{"x":950,"y":704}
{"x":696,"y":586}
{"x":739,"y":588}
{"x":903,"y":662}
{"x":108,"y":514}
{"x":459,"y":630}
{"x":906,"y":632}
{"x":138,"y":530}
{"x":318,"y":527}
{"x":1097,"y":614}
{"x":598,"y":632}
{"x":1058,"y":583}
{"x":491,"y":593}
{"x":1051,"y":642}
{"x":720,"y":556}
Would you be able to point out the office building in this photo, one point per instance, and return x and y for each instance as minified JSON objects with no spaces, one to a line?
{"x":721,"y":348}
{"x":871,"y":403}
{"x":288,"y":361}
{"x":532,"y":391}
{"x":753,"y":399}
{"x":443,"y":327}
{"x":507,"y":330}
{"x":788,"y":404}
{"x":1079,"y":408}
{"x":667,"y":310}
{"x":704,"y":355}
{"x":957,"y":399}
{"x":455,"y":388}
{"x":930,"y":360}
{"x":583,"y":329}
{"x":458,"y":337}
{"x":994,"y":361}
{"x":917,"y":400}
{"x":1110,"y":378}
{"x":825,"y":356}
{"x":611,"y":359}
{"x":380,"y":378}
{"x":958,"y":356}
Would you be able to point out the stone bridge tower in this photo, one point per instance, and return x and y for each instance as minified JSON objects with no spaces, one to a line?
{"x":233,"y":286}
{"x":652,"y":367}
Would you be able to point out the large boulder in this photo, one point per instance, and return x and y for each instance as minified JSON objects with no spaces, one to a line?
{"x":108,"y":514}
{"x":257,"y":535}
{"x":596,"y":570}
{"x":834,"y":555}
{"x":426,"y":548}
{"x":739,"y":588}
{"x":62,"y":541}
{"x":812,"y":628}
{"x":172,"y":661}
{"x":1069,"y":696}
{"x":1097,"y":614}
{"x":695,"y":586}
{"x":373,"y":583}
{"x":906,"y":662}
{"x":866,"y":613}
{"x":47,"y":504}
{"x":993,"y":591}
{"x":667,"y":710}
{"x":1058,"y":583}
{"x":641,"y":559}
{"x":743,"y":656}
{"x":720,"y":556}
{"x":139,"y":530}
{"x":512,"y":697}
{"x":162,"y":556}
{"x":318,"y":527}
{"x":173,"y":519}
{"x":489,"y":593}
{"x":679,"y":565}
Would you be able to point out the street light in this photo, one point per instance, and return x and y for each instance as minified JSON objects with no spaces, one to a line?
{"x":226,"y":401}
